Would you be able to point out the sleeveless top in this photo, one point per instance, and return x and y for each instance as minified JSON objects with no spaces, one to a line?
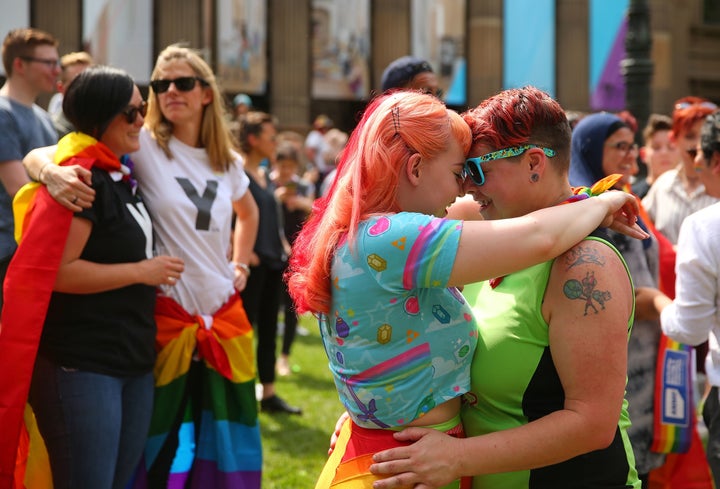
{"x":514,"y":382}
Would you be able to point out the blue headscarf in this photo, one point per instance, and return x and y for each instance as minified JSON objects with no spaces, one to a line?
{"x":586,"y":149}
{"x":586,"y":152}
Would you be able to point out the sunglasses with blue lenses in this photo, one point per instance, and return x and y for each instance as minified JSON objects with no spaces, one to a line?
{"x":183,"y":84}
{"x":473,"y":168}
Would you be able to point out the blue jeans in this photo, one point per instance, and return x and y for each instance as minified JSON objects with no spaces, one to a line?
{"x":94,"y":425}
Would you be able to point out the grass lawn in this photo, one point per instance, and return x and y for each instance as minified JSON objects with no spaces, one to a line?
{"x":295,"y":447}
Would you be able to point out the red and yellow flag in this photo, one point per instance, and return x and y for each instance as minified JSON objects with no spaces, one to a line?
{"x":42,"y":225}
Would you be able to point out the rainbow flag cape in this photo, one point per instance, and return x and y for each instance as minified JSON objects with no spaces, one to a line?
{"x":674,"y":412}
{"x":42,"y":226}
{"x":204,"y":431}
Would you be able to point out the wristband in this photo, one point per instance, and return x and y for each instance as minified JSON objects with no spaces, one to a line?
{"x":243,"y":267}
{"x":601,"y":186}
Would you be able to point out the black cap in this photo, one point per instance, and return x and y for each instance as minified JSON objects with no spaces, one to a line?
{"x":402,"y":70}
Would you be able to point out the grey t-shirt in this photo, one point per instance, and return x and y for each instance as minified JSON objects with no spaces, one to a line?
{"x":22,"y":129}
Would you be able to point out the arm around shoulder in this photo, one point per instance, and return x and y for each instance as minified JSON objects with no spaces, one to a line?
{"x":69,"y":185}
{"x":490,"y":249}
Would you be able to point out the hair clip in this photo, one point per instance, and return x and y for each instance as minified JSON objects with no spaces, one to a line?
{"x":395,"y":111}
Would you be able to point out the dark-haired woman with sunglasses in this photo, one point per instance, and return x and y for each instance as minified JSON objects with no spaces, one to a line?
{"x":193,"y":180}
{"x":93,"y":278}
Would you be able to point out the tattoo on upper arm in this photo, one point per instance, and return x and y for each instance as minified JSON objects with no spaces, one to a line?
{"x":585,"y":290}
{"x":582,"y":255}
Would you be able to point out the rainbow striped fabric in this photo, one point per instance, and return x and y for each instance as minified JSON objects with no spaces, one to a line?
{"x":204,"y":430}
{"x":436,"y":234}
{"x":43,"y":225}
{"x":673,"y":418}
{"x":349,"y":464}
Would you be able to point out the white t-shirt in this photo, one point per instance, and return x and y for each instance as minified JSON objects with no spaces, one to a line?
{"x":191,"y":208}
{"x":694,"y":315}
{"x":668,"y":204}
{"x":55,"y":104}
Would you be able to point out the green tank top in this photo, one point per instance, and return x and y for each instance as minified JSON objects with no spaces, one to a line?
{"x":514,"y":382}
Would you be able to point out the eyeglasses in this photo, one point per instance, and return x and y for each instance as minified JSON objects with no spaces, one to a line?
{"x":685,"y":105}
{"x":624,"y":147}
{"x":50,"y":63}
{"x":183,"y":84}
{"x":132,"y":111}
{"x":473,"y":167}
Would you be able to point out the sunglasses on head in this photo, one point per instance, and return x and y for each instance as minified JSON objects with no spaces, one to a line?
{"x":473,"y":168}
{"x":183,"y":84}
{"x":132,"y":111}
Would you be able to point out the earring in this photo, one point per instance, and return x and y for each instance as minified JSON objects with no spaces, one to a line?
{"x":534,"y":178}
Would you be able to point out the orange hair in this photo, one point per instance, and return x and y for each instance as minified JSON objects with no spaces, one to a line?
{"x":394,"y":127}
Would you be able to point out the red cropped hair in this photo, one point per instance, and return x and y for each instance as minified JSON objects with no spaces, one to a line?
{"x":519,"y":116}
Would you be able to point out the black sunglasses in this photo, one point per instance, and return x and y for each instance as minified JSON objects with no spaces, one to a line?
{"x":132,"y":111}
{"x":183,"y":84}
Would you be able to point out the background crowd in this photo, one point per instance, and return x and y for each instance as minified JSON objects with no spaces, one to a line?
{"x":216,"y":251}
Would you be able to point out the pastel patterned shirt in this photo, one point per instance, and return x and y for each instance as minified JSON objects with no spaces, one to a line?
{"x":399,"y":340}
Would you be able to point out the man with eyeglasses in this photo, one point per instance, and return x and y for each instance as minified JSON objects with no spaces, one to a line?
{"x":679,"y":192}
{"x":30,"y":58}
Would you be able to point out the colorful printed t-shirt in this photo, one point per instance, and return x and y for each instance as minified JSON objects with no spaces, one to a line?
{"x":399,"y":340}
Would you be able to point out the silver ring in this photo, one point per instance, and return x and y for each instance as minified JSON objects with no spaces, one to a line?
{"x":171,"y":279}
{"x":74,"y":200}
